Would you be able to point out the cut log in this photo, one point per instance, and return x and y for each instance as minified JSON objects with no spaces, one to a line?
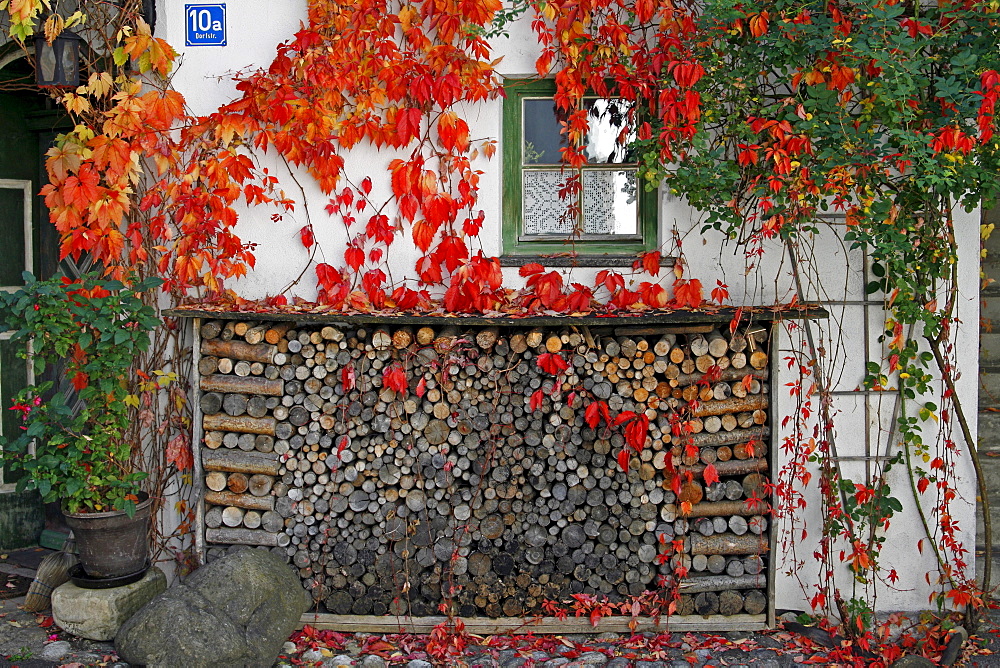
{"x":242,"y":424}
{"x":238,"y":483}
{"x":754,"y":602}
{"x":239,"y":350}
{"x":730,"y":603}
{"x":246,"y":501}
{"x":236,"y":461}
{"x":745,"y":508}
{"x":728,"y":543}
{"x":241,"y":537}
{"x":277,"y":331}
{"x":731,"y":405}
{"x":242,"y":385}
{"x":211,"y":329}
{"x":756,"y":434}
{"x":706,"y":583}
{"x":215,"y":481}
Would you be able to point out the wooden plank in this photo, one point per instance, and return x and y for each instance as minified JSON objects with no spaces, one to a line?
{"x":547,"y":625}
{"x":647,"y":318}
{"x":664,"y":329}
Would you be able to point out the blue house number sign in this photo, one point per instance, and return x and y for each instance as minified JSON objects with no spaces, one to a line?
{"x":206,"y":24}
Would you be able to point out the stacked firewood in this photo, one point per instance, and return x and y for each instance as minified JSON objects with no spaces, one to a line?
{"x":481,"y":486}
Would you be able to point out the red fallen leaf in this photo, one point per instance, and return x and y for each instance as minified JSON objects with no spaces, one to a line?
{"x":711,"y":474}
{"x":306,"y":234}
{"x":552,"y":363}
{"x":394,"y":378}
{"x":530,"y":269}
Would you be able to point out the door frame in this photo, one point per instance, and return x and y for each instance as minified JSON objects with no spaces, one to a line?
{"x":23,"y":185}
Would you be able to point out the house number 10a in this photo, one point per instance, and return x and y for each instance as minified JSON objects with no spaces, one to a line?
{"x":202,"y":21}
{"x":206,"y":24}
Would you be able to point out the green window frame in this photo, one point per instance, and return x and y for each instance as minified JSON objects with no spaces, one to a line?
{"x":595,"y":249}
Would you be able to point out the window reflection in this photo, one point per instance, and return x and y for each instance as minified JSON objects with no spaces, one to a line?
{"x":608,"y":203}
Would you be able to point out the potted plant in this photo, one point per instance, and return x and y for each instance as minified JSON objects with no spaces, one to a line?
{"x":72,"y":445}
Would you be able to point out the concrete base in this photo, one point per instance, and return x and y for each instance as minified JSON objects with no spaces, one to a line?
{"x":97,"y":614}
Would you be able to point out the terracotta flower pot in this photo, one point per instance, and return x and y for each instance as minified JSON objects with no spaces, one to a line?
{"x":112,"y":544}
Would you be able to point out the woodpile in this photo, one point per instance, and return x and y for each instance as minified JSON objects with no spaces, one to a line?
{"x":481,"y":487}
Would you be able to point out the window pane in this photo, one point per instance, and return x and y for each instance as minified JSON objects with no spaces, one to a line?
{"x":543,"y":211}
{"x":11,"y":236}
{"x":610,"y":134}
{"x":542,"y":139}
{"x":610,"y":203}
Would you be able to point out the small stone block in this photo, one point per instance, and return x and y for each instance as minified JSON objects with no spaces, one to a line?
{"x":97,"y":614}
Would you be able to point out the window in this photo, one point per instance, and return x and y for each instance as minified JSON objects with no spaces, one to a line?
{"x":612,"y":217}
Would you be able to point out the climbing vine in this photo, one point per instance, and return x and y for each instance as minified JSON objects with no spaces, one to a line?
{"x":763,"y":115}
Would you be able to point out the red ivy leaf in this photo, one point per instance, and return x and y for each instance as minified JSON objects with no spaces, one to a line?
{"x":552,"y":363}
{"x":651,"y":263}
{"x":536,"y":400}
{"x":711,"y":474}
{"x":347,"y":378}
{"x":179,"y":452}
{"x":688,"y":293}
{"x":922,"y":485}
{"x":421,"y":387}
{"x":355,"y":257}
{"x":306,"y":234}
{"x":720,"y":293}
{"x":593,"y":415}
{"x":394,"y":378}
{"x":623,"y":459}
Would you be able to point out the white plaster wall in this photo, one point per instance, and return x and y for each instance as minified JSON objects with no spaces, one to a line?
{"x":256,"y":27}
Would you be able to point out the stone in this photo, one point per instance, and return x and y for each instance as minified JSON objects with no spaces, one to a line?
{"x":618,"y":662}
{"x":419,"y":663}
{"x":55,"y":650}
{"x":237,"y":611}
{"x":484,"y":662}
{"x":954,"y":647}
{"x":372,"y":661}
{"x":592,"y":659}
{"x":313,"y":656}
{"x":554,"y":663}
{"x":97,"y":614}
{"x":344,"y":661}
{"x":288,"y":648}
{"x":515,"y":662}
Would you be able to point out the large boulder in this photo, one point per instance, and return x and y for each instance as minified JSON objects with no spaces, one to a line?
{"x":236,"y":611}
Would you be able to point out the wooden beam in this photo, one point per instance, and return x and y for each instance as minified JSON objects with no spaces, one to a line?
{"x":547,"y":625}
